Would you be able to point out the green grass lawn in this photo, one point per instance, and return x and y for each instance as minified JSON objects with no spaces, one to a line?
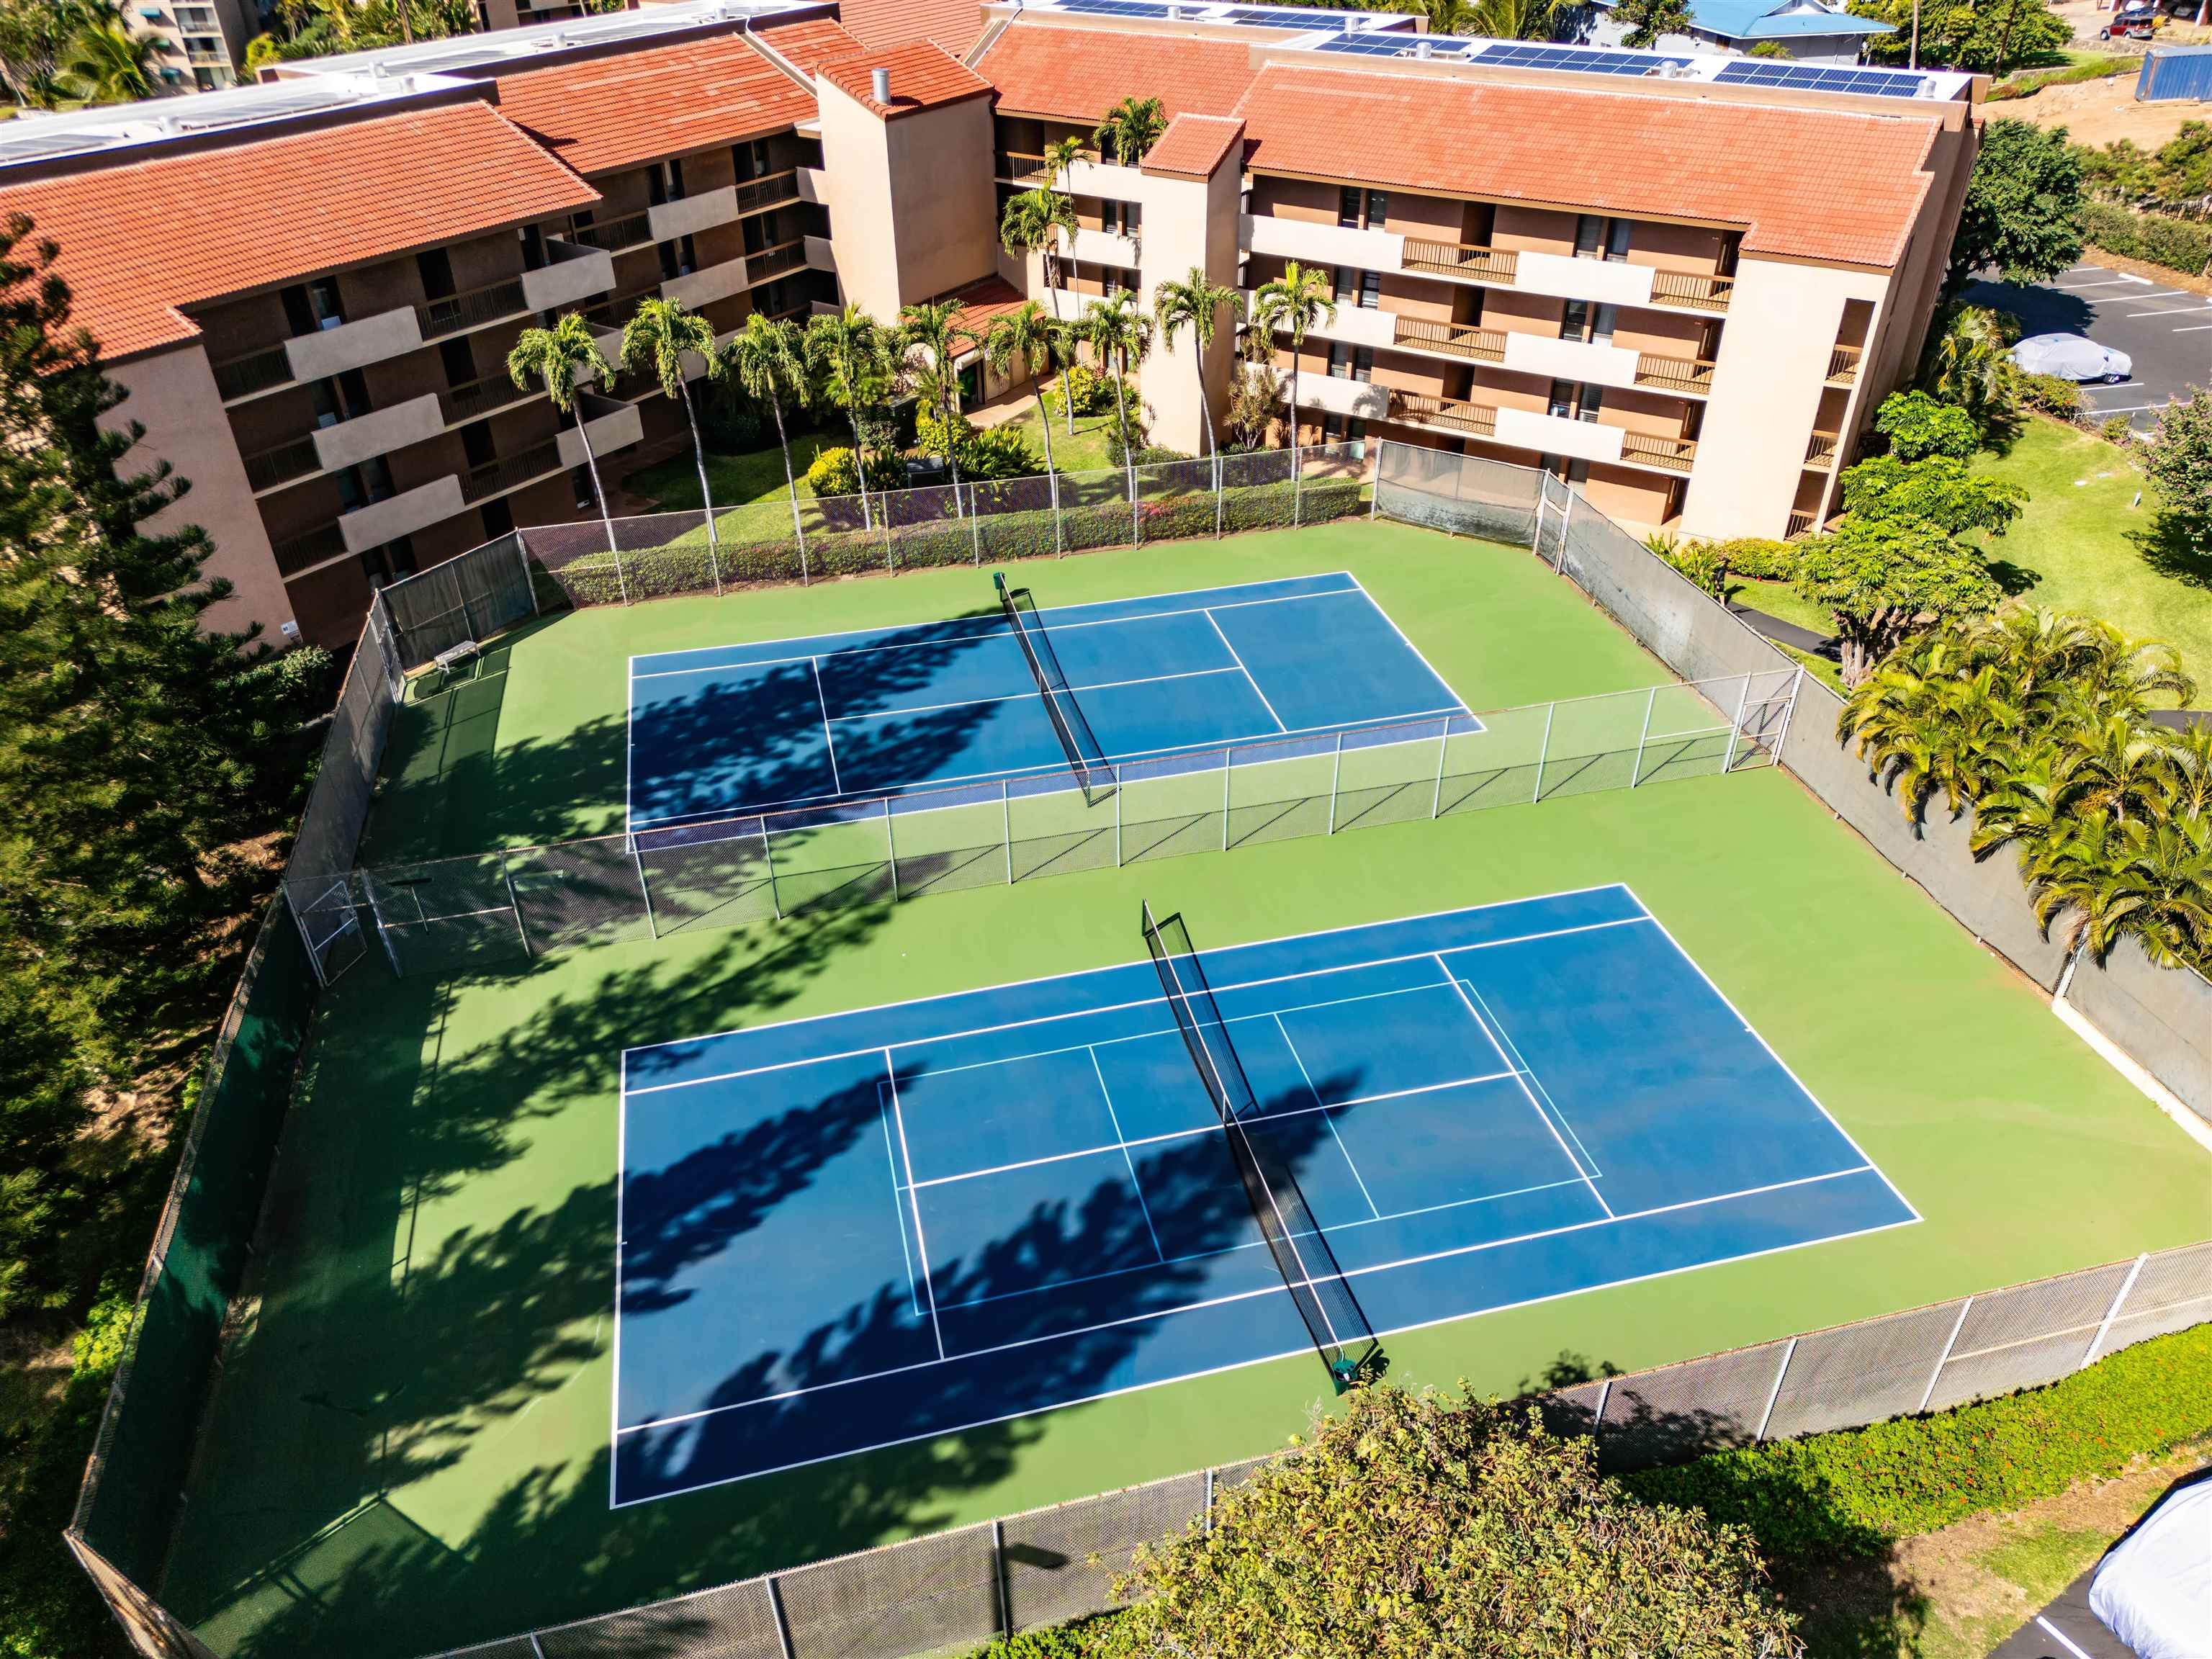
{"x":2083,"y":544}
{"x":408,"y":1449}
{"x":1085,"y":452}
{"x":673,"y":484}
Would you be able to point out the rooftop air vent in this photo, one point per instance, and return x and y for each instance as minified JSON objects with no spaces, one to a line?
{"x":879,"y":84}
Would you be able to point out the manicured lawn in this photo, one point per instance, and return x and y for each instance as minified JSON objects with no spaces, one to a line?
{"x":735,"y":479}
{"x":1085,"y":452}
{"x":2084,"y":545}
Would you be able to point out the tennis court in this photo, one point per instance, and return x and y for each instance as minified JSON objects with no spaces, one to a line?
{"x":873,"y":1227}
{"x":955,"y":706}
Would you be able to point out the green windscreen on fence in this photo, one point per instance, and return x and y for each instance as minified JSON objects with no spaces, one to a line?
{"x":130,"y":1503}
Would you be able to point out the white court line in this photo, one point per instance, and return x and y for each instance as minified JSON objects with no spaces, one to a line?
{"x":622,"y":1184}
{"x":828,"y":738}
{"x":1247,"y":672}
{"x":1018,"y":696}
{"x":1135,"y":1185}
{"x":1001,"y":629}
{"x":1530,"y":1094}
{"x":921,"y":1243}
{"x":1103,"y":1008}
{"x":1350,"y":1272}
{"x":1419,"y":655}
{"x":1514,"y":1058}
{"x":899,"y":1202}
{"x":1374,"y":1209}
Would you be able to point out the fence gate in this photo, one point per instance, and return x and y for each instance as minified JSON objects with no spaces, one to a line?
{"x":331,"y":923}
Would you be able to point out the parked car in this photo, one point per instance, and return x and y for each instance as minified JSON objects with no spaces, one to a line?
{"x":2154,"y":1588}
{"x":2072,"y":357}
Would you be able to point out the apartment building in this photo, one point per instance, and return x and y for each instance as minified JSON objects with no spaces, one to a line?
{"x":199,"y":43}
{"x":1685,"y":291}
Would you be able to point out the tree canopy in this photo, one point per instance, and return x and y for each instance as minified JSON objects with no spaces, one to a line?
{"x":1983,"y":39}
{"x":2023,"y":214}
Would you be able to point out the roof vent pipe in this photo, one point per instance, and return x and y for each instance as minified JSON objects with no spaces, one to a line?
{"x":1421,"y":48}
{"x":879,"y":83}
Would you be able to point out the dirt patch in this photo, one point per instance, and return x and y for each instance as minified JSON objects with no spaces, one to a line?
{"x":2100,"y":113}
{"x":1957,"y":1593}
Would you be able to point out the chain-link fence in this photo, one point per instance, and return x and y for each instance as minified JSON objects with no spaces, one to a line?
{"x":462,"y":912}
{"x":961,"y":1588}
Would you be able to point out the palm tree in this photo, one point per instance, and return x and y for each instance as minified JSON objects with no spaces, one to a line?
{"x":1061,"y":156}
{"x":107,"y":64}
{"x":1968,"y":362}
{"x":767,"y":359}
{"x":1020,"y":340}
{"x":659,"y":333}
{"x":1130,"y":127}
{"x":1118,"y":334}
{"x":1292,"y":303}
{"x":1500,"y":20}
{"x":556,"y":357}
{"x":1036,"y":220}
{"x":850,"y":354}
{"x":2117,"y":769}
{"x":933,"y":325}
{"x":1194,"y":304}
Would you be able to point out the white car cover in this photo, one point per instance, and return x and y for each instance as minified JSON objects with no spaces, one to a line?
{"x":2153,"y":1589}
{"x":2071,"y":357}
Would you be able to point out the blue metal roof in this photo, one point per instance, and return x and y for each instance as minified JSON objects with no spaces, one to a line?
{"x":1767,"y":20}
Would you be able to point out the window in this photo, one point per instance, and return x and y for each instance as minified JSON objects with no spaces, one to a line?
{"x":1378,"y":209}
{"x":341,"y":397}
{"x":751,"y":160}
{"x":1561,"y":403}
{"x":1361,"y":209}
{"x":1592,"y":400}
{"x":1602,"y":317}
{"x":1577,"y":471}
{"x":1119,"y":218}
{"x":1575,"y":321}
{"x":1347,"y":208}
{"x":664,"y":182}
{"x":1350,"y":362}
{"x":1590,"y":235}
{"x":498,"y":517}
{"x":311,"y":307}
{"x":459,"y":359}
{"x":1616,"y":243}
{"x":677,"y":258}
{"x":370,"y":481}
{"x":1355,"y":428}
{"x":437,"y":273}
{"x":1344,"y":284}
{"x":476,"y":445}
{"x":1370,"y":290}
{"x":533,"y":248}
{"x":579,"y":488}
{"x":388,"y":563}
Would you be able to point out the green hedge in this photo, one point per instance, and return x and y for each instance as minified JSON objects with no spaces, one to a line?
{"x":1853,"y":1491}
{"x":2176,"y":244}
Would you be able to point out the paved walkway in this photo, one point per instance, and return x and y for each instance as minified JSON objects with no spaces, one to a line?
{"x":2064,"y":1629}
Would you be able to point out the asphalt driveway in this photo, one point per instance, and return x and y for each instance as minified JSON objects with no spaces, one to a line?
{"x":2168,"y":331}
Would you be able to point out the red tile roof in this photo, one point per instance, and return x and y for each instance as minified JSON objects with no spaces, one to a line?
{"x":138,"y":241}
{"x":632,"y":107}
{"x":1193,"y":145}
{"x":923,"y":76}
{"x":954,"y":25}
{"x":1811,"y":184}
{"x":985,"y":302}
{"x":808,"y":42}
{"x":1077,"y":74}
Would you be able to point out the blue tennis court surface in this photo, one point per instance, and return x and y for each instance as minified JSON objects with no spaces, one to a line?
{"x":735,"y":730}
{"x":869,"y":1227}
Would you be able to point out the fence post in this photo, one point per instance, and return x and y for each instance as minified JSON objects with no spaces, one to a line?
{"x":1944,"y":1358}
{"x":1543,"y":498}
{"x":1209,"y":1499}
{"x":777,"y":1617}
{"x":999,"y":1578}
{"x":891,"y":848}
{"x":1789,"y":714}
{"x":1218,"y":495}
{"x":1774,"y":1393}
{"x":1566,"y":522}
{"x":714,"y":550}
{"x":1544,"y":751}
{"x":1058,"y":540}
{"x":1136,"y":524}
{"x":644,"y":887}
{"x":1636,"y":772}
{"x":975,"y":524}
{"x":1228,"y":765}
{"x":1006,"y":825}
{"x":507,"y":877}
{"x":529,"y":581}
{"x":1335,"y":779}
{"x":1736,"y":727}
{"x":2111,"y":1313}
{"x":891,"y":564}
{"x":1116,"y":771}
{"x":768,"y":855}
{"x":1443,"y":737}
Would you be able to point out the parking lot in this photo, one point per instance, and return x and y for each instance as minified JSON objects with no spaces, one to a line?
{"x":2165,"y":329}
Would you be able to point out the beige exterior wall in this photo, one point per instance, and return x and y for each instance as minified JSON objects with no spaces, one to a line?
{"x":1767,"y":388}
{"x":173,"y":396}
{"x":1189,"y":222}
{"x":912,"y":209}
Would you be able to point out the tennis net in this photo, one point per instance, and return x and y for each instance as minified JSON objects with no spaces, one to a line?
{"x":1333,"y":1318}
{"x":1084,"y":757}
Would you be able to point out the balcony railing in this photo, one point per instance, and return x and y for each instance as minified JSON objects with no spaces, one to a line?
{"x":770,"y":263}
{"x":1671,"y":454}
{"x":1481,"y":345}
{"x":280,"y":466}
{"x":1416,"y":407}
{"x":1843,"y":365}
{"x":241,"y":377}
{"x":296,"y":553}
{"x":767,"y":192}
{"x":512,"y":472}
{"x":612,"y":237}
{"x":1675,"y":373}
{"x":1691,"y":293}
{"x":1801,"y":521}
{"x":1821,"y":451}
{"x":473,"y":309}
{"x":480,"y":397}
{"x":1459,"y":260}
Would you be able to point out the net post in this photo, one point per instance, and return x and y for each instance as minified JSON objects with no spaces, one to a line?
{"x":644,"y":887}
{"x":1544,"y":751}
{"x":776,"y":1616}
{"x":891,"y":848}
{"x":1774,"y":1393}
{"x":768,"y":856}
{"x":2103,"y":1329}
{"x":1444,"y":737}
{"x":1566,"y":523}
{"x":507,"y":876}
{"x":1005,"y":1602}
{"x":1636,"y":772}
{"x":529,"y":581}
{"x":1228,"y":765}
{"x":1006,"y":825}
{"x":1335,"y":779}
{"x":1944,"y":1358}
{"x":1736,"y":727}
{"x":1117,"y":816}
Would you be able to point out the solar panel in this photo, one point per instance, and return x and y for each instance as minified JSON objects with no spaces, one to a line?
{"x":1387,"y":46}
{"x":1582,"y":60}
{"x":35,"y":146}
{"x":1823,"y":78}
{"x":1278,"y":18}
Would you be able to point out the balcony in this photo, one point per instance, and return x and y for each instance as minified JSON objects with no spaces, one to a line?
{"x":402,"y":514}
{"x":1019,"y":168}
{"x":1843,"y":365}
{"x":1461,"y":340}
{"x":821,"y":255}
{"x":474,"y":399}
{"x":272,"y":469}
{"x":255,"y":373}
{"x":689,"y":214}
{"x":573,"y":272}
{"x":1313,"y":242}
{"x":1820,"y":450}
{"x":772,"y":262}
{"x":1667,"y":453}
{"x":760,"y":193}
{"x":297,"y":555}
{"x":611,"y":425}
{"x":333,"y":350}
{"x":1463,"y":259}
{"x":1589,"y":361}
{"x":380,"y":432}
{"x":1100,"y":247}
{"x":479,"y":308}
{"x":707,"y":284}
{"x":814,"y":185}
{"x":1690,"y":376}
{"x":1443,"y":415}
{"x":511,"y":472}
{"x":1091,"y":176}
{"x":1801,"y":522}
{"x":1685,"y":292}
{"x":633,"y":230}
{"x":1360,"y":400}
